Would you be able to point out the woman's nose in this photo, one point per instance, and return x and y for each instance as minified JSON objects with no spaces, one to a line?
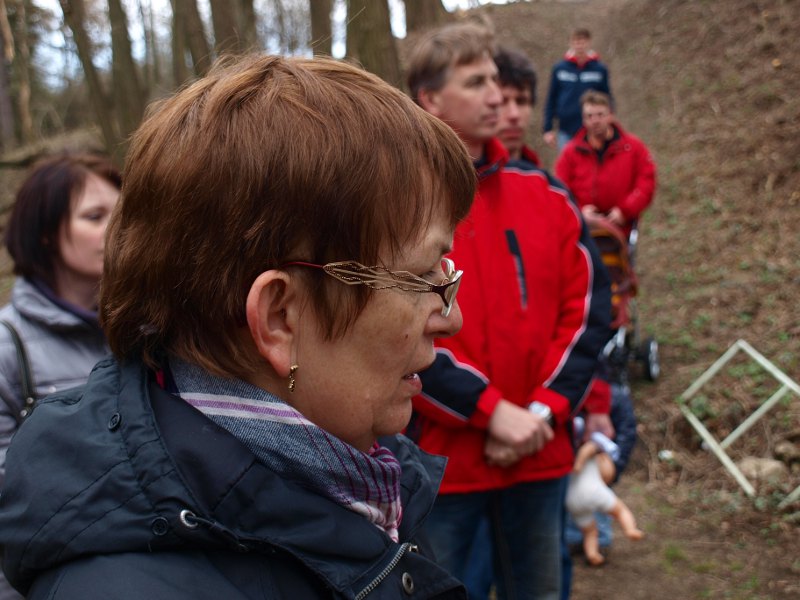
{"x":441,"y":326}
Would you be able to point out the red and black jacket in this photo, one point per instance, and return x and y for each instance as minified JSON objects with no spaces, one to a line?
{"x":623,"y":175}
{"x":536,"y":315}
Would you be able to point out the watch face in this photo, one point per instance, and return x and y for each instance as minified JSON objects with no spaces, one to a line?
{"x":538,"y":408}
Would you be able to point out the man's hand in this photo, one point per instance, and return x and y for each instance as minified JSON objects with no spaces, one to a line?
{"x":615,"y":216}
{"x":599,"y":422}
{"x":589,"y":212}
{"x":550,"y":138}
{"x":498,"y":454}
{"x":519,"y":428}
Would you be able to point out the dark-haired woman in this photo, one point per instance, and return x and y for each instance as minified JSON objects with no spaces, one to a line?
{"x":55,"y":236}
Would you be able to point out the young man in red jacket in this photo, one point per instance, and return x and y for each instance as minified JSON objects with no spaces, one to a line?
{"x":500,"y":395}
{"x":517,"y":79}
{"x":609,"y":171}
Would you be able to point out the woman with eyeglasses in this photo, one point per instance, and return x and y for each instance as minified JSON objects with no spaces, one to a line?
{"x":276,"y":274}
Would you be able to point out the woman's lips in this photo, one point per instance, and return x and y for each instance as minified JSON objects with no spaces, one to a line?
{"x":413,"y":380}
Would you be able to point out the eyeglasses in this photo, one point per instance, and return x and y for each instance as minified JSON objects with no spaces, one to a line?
{"x":380,"y":278}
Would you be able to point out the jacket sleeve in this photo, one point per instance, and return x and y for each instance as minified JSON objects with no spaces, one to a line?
{"x":456,"y":391}
{"x":598,"y":401}
{"x":551,"y":103}
{"x":10,"y":403}
{"x":606,"y":87}
{"x":584,"y":322}
{"x":563,"y":168}
{"x":644,"y":184}
{"x":624,"y":420}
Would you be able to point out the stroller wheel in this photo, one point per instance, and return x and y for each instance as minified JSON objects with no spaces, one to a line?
{"x":648,"y":354}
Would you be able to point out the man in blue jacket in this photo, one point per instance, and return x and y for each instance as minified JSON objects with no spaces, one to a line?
{"x":580,"y":70}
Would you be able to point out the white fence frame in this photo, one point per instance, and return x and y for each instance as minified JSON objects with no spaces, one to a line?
{"x":718,"y":448}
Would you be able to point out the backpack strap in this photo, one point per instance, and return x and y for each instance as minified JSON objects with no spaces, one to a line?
{"x":25,"y":374}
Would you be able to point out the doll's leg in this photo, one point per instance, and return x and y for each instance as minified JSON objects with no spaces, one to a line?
{"x":591,"y":545}
{"x":625,"y":517}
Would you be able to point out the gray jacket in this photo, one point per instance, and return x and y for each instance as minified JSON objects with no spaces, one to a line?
{"x":62,"y":348}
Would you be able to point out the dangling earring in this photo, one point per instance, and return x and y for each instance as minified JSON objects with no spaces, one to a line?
{"x":292,"y":382}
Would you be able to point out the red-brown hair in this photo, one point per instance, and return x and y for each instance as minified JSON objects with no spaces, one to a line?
{"x":263,"y":161}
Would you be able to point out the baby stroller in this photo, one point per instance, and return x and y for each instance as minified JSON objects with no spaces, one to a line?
{"x":626,"y":346}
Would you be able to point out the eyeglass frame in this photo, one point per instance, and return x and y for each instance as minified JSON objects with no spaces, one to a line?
{"x":380,"y":278}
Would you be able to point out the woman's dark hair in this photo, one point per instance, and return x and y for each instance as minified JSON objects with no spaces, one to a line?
{"x":43,"y":203}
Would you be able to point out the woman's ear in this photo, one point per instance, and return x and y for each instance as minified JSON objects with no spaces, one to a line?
{"x":272,"y":315}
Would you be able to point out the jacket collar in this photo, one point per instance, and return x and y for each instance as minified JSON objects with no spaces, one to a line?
{"x":591,"y":56}
{"x":37,"y":302}
{"x":582,"y":144}
{"x":229,"y":490}
{"x":530,"y":155}
{"x":495,"y":157}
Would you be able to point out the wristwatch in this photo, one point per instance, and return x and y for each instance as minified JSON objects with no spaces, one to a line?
{"x":541,"y":409}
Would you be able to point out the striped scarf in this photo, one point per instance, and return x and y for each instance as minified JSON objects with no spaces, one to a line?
{"x":367,"y":483}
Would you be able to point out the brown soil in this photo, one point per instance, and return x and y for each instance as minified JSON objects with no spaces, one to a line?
{"x":708,"y":87}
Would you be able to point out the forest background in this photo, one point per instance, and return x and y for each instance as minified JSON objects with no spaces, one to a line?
{"x":710,"y":86}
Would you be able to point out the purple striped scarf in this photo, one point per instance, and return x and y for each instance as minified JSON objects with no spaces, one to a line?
{"x":295,"y":448}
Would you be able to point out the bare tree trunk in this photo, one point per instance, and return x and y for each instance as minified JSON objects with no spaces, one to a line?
{"x":129,"y":97}
{"x":247,"y":26}
{"x":180,"y":72}
{"x":224,"y":16}
{"x":424,"y":14}
{"x":370,"y":40}
{"x":321,"y":35}
{"x":5,"y":31}
{"x":195,"y":36}
{"x":151,"y":58}
{"x":23,"y":62}
{"x":74,"y":17}
{"x":7,"y":133}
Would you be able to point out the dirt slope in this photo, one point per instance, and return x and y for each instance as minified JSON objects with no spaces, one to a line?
{"x":710,"y":87}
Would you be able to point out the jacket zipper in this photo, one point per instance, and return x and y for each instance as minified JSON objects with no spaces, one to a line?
{"x":516,"y":253}
{"x":385,"y":573}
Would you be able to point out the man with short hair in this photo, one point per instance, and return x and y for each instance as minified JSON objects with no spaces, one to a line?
{"x":517,"y":79}
{"x":580,"y":70}
{"x":498,"y":399}
{"x":609,"y":171}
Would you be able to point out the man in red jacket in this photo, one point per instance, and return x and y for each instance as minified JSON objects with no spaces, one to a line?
{"x":608,"y":170}
{"x":498,"y":399}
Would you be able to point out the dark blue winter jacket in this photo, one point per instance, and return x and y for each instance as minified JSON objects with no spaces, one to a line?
{"x":568,"y":82}
{"x":121,"y":490}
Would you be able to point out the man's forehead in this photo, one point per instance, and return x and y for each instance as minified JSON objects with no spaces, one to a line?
{"x":510,"y":90}
{"x":595,"y":108}
{"x":482,"y":63}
